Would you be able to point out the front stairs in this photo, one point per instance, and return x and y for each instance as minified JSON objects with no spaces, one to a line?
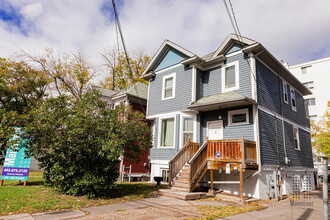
{"x":180,"y":182}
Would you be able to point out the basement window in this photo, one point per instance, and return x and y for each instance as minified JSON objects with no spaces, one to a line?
{"x":165,"y":173}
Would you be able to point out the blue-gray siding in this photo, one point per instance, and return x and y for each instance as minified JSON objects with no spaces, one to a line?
{"x":272,"y":144}
{"x":270,"y":96}
{"x":182,"y":92}
{"x":229,"y":132}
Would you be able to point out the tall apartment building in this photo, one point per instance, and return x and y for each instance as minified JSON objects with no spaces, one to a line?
{"x":315,"y":75}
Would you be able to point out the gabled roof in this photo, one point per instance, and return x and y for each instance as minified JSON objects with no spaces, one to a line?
{"x":161,"y":52}
{"x":137,"y":90}
{"x":229,"y":41}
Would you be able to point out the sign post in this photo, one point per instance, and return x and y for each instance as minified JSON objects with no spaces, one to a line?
{"x":16,"y":166}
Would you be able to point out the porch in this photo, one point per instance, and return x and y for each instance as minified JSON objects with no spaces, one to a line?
{"x":190,"y":164}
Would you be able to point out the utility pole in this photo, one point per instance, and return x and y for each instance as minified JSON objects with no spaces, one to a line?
{"x":325,"y":189}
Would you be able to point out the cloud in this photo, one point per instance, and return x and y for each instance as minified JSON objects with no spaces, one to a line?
{"x":32,"y":11}
{"x":295,"y":31}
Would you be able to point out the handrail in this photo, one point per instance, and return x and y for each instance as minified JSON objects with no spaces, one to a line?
{"x":181,"y":158}
{"x":198,"y":152}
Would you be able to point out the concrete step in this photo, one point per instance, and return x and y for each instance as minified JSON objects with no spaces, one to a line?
{"x":181,"y":195}
{"x":180,"y":189}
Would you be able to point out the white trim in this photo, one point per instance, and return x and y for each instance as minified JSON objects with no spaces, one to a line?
{"x":235,"y":53}
{"x":239,"y":111}
{"x":253,"y":78}
{"x":256,"y":132}
{"x":193,"y":86}
{"x":163,"y":115}
{"x":148,"y":97}
{"x":168,"y":68}
{"x":215,"y":121}
{"x":298,"y":139}
{"x":294,"y":108}
{"x":161,"y":162}
{"x":287,"y":92}
{"x":172,"y":75}
{"x":153,"y":133}
{"x":160,"y":132}
{"x":223,"y":73}
{"x":282,"y":118}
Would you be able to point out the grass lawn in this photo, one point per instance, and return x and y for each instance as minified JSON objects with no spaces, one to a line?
{"x":14,"y":198}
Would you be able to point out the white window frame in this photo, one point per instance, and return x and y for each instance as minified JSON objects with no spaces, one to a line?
{"x":182,"y":124}
{"x":223,"y":74}
{"x":294,"y":108}
{"x":306,"y":109}
{"x":287,"y":94}
{"x":160,"y":132}
{"x":153,"y":130}
{"x":239,"y":111}
{"x":298,"y":141}
{"x":173,"y":87}
{"x":167,"y":171}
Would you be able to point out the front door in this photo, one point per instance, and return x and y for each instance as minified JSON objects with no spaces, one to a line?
{"x":215,"y":130}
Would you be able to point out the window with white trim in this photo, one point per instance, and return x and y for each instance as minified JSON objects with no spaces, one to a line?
{"x":187,"y":129}
{"x":306,"y":109}
{"x":296,"y":138}
{"x":311,"y":101}
{"x":306,"y":69}
{"x":230,"y":77}
{"x":293,"y":100}
{"x":285,"y":92}
{"x":167,"y":132}
{"x":153,"y":130}
{"x":168,"y":86}
{"x":165,"y":173}
{"x":238,"y":117}
{"x":309,"y":85}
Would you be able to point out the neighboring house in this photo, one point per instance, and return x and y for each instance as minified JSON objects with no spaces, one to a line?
{"x":315,"y":75}
{"x":202,"y":106}
{"x":135,"y":96}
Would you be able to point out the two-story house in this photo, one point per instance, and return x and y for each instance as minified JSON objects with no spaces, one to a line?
{"x":234,"y":120}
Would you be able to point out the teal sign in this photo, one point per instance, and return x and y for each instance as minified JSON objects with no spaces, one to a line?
{"x":16,"y":167}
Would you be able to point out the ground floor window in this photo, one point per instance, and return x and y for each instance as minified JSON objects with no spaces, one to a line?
{"x":165,"y":173}
{"x":167,"y":132}
{"x":188,"y":130}
{"x":238,"y":117}
{"x":296,"y":138}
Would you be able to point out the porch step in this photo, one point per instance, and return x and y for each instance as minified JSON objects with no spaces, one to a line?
{"x":184,"y":175}
{"x":179,"y":188}
{"x":184,"y":180}
{"x":181,"y":178}
{"x":181,"y":195}
{"x":181,"y":184}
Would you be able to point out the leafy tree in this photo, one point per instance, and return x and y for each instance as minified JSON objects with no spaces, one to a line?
{"x":79,"y":141}
{"x":321,"y":134}
{"x":119,"y":73}
{"x":70,"y":73}
{"x":21,"y":88}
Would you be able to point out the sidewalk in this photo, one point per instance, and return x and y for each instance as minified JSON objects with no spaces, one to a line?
{"x":160,"y":207}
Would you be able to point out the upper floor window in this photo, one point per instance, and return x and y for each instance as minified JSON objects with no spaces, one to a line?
{"x":168,"y":86}
{"x":238,"y":117}
{"x":296,"y":138}
{"x":311,"y":101}
{"x":285,"y":92}
{"x":167,"y":132}
{"x":306,"y":69}
{"x":230,"y":77}
{"x":293,"y":100}
{"x":309,"y":85}
{"x":306,"y":110}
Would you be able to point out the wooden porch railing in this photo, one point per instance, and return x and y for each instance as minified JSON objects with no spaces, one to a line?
{"x":197,"y":166}
{"x":181,"y":158}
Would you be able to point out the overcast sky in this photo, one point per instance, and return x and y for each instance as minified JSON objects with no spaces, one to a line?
{"x":294,"y":31}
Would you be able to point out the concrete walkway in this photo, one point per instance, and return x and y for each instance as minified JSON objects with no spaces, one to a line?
{"x":171,"y":208}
